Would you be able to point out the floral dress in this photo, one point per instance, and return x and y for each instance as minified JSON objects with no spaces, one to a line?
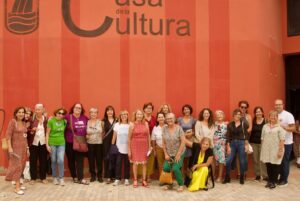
{"x":220,"y":142}
{"x":17,"y":160}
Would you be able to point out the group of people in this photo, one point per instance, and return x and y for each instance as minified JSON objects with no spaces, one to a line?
{"x":193,"y":149}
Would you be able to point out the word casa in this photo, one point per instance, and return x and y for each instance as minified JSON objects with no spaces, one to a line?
{"x":135,"y":23}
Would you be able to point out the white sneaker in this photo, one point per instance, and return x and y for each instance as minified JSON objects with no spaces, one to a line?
{"x":116,"y":182}
{"x":126,"y":182}
{"x":55,"y":181}
{"x":62,"y":182}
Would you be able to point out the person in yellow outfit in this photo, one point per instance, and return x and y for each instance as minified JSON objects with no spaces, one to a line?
{"x":201,"y":160}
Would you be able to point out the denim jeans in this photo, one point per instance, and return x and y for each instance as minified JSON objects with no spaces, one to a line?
{"x":57,"y":159}
{"x":285,"y":163}
{"x":237,"y":146}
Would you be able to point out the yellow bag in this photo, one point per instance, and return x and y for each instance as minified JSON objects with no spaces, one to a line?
{"x":4,"y":144}
{"x":165,"y":178}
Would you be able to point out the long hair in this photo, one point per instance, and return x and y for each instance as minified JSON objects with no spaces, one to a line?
{"x":210,"y":119}
{"x":73,"y":106}
{"x":109,"y":107}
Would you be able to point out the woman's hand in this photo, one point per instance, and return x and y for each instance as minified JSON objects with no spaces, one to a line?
{"x":48,"y":148}
{"x":228,"y":150}
{"x":246,"y":148}
{"x":167,"y":157}
{"x":280,"y":153}
{"x":10,"y":150}
{"x":177,"y":158}
{"x":129,"y":154}
{"x":195,"y":167}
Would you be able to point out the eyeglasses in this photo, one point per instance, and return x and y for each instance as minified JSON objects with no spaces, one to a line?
{"x":243,"y":107}
{"x":79,"y":108}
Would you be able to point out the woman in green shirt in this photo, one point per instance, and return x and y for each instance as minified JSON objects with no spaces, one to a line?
{"x":55,"y":142}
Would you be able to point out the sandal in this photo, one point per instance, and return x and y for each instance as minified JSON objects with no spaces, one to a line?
{"x":135,"y":183}
{"x":23,"y":188}
{"x":108,"y":181}
{"x":19,"y":192}
{"x":166,"y":187}
{"x":145,"y":184}
{"x":84,"y":182}
{"x":180,"y":189}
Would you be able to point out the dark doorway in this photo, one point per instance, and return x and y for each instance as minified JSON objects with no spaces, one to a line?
{"x":292,"y":64}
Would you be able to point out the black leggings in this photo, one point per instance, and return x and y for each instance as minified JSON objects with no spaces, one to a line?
{"x":273,"y":172}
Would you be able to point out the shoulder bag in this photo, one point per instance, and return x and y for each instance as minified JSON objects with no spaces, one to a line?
{"x":79,"y":142}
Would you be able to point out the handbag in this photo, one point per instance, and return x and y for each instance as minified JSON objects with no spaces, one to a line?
{"x":79,"y":142}
{"x":166,"y":177}
{"x":250,"y":148}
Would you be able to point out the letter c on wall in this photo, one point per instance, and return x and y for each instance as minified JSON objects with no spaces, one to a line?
{"x":66,"y":11}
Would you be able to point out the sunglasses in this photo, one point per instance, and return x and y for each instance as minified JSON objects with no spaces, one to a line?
{"x":244,"y":107}
{"x":61,"y":113}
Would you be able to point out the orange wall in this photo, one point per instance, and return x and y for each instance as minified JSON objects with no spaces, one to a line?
{"x":291,"y":45}
{"x":234,"y":52}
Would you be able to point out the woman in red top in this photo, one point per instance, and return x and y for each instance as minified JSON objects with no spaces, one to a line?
{"x":139,"y":145}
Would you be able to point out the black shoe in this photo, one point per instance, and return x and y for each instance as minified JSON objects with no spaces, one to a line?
{"x":268,"y":185}
{"x":93,"y":179}
{"x":242,"y":179}
{"x":226,"y":180}
{"x":100,"y":179}
{"x":265,"y":179}
{"x":257,"y":178}
{"x":272,"y":185}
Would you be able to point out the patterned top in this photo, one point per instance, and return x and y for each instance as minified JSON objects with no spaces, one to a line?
{"x":94,"y":132}
{"x":270,"y":143}
{"x":173,"y":140}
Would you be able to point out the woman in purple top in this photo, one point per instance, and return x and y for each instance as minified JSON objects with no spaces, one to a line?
{"x":78,"y":120}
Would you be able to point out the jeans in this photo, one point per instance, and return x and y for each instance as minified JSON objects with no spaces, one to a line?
{"x":57,"y":159}
{"x":285,"y":163}
{"x":237,"y":146}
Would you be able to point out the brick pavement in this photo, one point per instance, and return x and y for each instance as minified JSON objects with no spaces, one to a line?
{"x":96,"y":191}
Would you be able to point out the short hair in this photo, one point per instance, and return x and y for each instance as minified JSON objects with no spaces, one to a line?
{"x":206,"y":139}
{"x":39,"y":105}
{"x":220,"y":112}
{"x":73,"y":106}
{"x":187,"y":106}
{"x":243,"y":102}
{"x":148,"y":104}
{"x":59,"y":109}
{"x":93,"y":109}
{"x":172,"y":114}
{"x":28,"y":110}
{"x":157,"y":123}
{"x":235,"y":111}
{"x":273,"y":112}
{"x":17,"y":110}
